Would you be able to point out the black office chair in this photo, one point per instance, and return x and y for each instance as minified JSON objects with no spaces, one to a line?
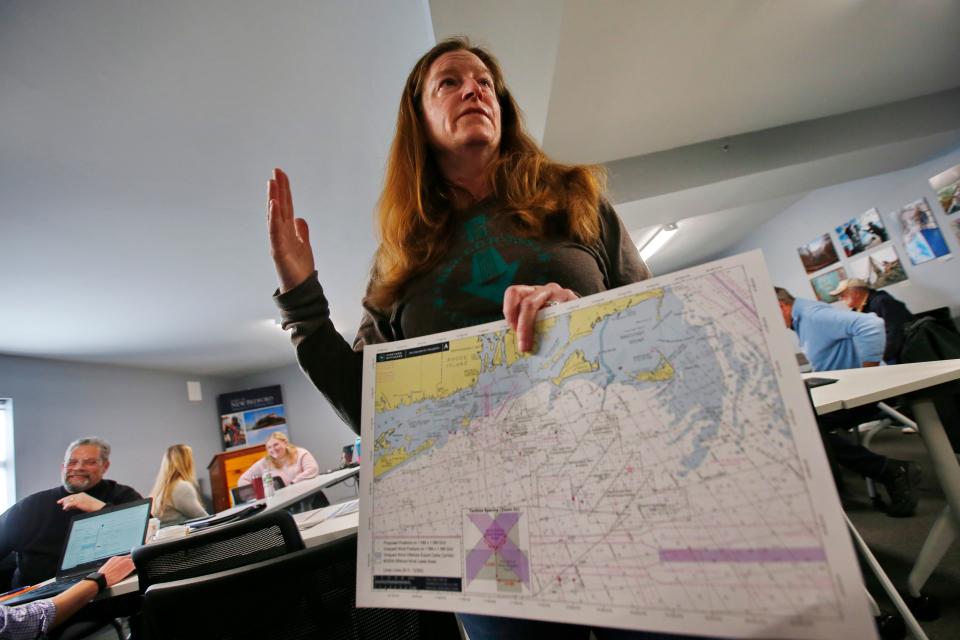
{"x":87,"y":629}
{"x":941,"y":315}
{"x":257,"y":538}
{"x":305,"y":594}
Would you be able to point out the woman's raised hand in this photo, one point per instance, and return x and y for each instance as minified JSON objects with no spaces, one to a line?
{"x":289,"y":236}
{"x":521,"y":303}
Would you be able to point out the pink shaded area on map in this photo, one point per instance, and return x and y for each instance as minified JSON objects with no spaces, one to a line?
{"x":763,"y":554}
{"x":496,"y":540}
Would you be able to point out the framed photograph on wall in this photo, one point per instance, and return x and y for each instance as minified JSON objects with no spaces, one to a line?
{"x":824,"y":283}
{"x":947,"y":186}
{"x":880,"y":268}
{"x":818,"y":254}
{"x":920,"y":232}
{"x":250,"y":416}
{"x":866,"y":231}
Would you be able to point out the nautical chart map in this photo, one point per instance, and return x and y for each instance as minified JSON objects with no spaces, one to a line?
{"x":653,"y":464}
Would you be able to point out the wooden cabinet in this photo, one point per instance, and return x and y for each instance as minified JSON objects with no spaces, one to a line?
{"x":226,"y":468}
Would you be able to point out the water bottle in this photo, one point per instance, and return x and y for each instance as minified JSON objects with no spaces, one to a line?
{"x":356,"y":450}
{"x":267,"y":484}
{"x":153,"y":525}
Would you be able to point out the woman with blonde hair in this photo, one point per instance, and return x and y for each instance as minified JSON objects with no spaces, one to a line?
{"x":283,"y":459}
{"x":175,"y":494}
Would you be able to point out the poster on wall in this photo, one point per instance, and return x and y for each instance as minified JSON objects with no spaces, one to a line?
{"x":921,"y":234}
{"x":827,"y":282}
{"x":866,"y":231}
{"x":947,"y":186}
{"x":818,"y":254}
{"x":879,"y":269}
{"x":250,"y":416}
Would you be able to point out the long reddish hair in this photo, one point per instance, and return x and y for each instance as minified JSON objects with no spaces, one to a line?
{"x":414,"y":208}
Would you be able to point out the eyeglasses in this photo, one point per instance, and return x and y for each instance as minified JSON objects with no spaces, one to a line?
{"x":86,"y":462}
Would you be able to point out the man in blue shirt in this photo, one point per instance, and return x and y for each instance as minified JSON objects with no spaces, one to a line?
{"x":832,"y":338}
{"x":836,"y":339}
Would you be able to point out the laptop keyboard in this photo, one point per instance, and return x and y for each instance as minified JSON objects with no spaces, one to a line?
{"x":55,"y":587}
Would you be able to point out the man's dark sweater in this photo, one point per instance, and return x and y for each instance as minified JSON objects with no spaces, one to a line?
{"x":36,"y":527}
{"x":895,"y":315}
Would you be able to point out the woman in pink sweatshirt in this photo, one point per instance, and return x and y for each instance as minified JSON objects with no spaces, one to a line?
{"x":283,"y":459}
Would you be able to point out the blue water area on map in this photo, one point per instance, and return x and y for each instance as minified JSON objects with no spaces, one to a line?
{"x":648,"y":334}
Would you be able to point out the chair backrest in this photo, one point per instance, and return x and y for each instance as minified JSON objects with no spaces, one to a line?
{"x":305,"y":594}
{"x":927,"y":339}
{"x":941,"y":315}
{"x":257,"y":538}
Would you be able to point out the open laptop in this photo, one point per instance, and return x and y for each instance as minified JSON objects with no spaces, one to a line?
{"x":243,"y":494}
{"x":93,"y":538}
{"x":246,"y":493}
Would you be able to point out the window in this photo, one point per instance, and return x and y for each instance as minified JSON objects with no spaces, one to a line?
{"x":7,"y":484}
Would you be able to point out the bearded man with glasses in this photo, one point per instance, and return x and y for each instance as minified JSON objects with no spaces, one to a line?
{"x":35,"y":528}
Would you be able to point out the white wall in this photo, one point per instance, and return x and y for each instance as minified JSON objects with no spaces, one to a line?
{"x":932,"y":284}
{"x":139,"y":411}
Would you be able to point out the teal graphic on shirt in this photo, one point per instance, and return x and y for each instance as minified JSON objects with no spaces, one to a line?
{"x":489,"y":273}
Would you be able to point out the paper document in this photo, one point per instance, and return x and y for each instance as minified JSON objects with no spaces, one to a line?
{"x":654,"y":464}
{"x":312,"y":518}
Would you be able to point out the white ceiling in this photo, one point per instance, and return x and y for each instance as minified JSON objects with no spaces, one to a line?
{"x":138,"y":138}
{"x":674,"y":73}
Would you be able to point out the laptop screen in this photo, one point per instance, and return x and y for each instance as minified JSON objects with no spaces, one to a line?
{"x":95,"y":537}
{"x":243,"y":493}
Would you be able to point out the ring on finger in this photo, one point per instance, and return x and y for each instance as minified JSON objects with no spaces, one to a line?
{"x":552,"y":303}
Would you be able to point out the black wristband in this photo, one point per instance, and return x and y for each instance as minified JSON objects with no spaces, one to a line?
{"x":100,"y":579}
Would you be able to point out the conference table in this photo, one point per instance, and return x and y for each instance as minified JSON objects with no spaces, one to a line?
{"x":302,"y":491}
{"x":318,"y":526}
{"x":919,"y":383}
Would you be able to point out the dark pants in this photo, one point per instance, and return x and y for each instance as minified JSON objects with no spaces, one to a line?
{"x":855,"y":457}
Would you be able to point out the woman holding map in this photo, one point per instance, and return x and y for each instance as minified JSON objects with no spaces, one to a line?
{"x":476,"y":224}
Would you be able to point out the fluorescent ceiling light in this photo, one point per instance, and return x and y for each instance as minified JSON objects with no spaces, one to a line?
{"x":660,"y":238}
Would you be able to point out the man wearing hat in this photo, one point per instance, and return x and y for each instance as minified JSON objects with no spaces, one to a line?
{"x":860,"y":296}
{"x":835,"y":339}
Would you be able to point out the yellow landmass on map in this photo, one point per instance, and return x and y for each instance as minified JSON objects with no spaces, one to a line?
{"x":511,"y":353}
{"x":582,"y":321}
{"x":499,"y":352}
{"x":389,"y":459}
{"x":576,"y":363}
{"x":509,"y":343}
{"x":382,"y":443}
{"x":428,"y":377}
{"x":546,"y":325}
{"x":663,"y":371}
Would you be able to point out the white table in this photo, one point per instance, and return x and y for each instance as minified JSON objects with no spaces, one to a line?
{"x":919,"y":382}
{"x":331,"y":529}
{"x":294,"y":493}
